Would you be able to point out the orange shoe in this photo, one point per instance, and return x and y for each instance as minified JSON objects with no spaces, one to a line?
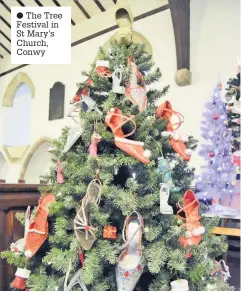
{"x":38,"y":228}
{"x":115,"y":120}
{"x":82,"y":92}
{"x":165,"y":111}
{"x":193,"y":226}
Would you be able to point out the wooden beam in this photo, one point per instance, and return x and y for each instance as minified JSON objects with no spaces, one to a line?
{"x":82,"y":9}
{"x":20,"y":3}
{"x":6,"y":49}
{"x":6,"y":37}
{"x":226,"y":231}
{"x":5,"y":6}
{"x":97,"y":2}
{"x":180,"y":13}
{"x":38,"y":2}
{"x":5,"y":21}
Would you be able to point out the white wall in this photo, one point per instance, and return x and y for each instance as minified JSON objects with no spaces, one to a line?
{"x":39,"y":164}
{"x":214,"y":47}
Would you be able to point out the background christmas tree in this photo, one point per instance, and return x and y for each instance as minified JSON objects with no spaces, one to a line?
{"x":217,"y":176}
{"x":232,"y":97}
{"x":128,"y":185}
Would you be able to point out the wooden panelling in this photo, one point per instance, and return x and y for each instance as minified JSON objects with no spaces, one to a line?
{"x":13,"y":198}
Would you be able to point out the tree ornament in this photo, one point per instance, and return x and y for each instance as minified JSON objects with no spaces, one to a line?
{"x":129,"y":267}
{"x":180,"y":285}
{"x":21,"y":276}
{"x":192,"y":221}
{"x":165,"y":111}
{"x":95,"y":140}
{"x":74,"y":134}
{"x":109,"y":232}
{"x":215,"y":117}
{"x":211,"y":154}
{"x":135,"y":92}
{"x":60,"y":176}
{"x":102,"y":68}
{"x":116,"y":80}
{"x":19,"y":246}
{"x":38,"y":228}
{"x":164,"y":196}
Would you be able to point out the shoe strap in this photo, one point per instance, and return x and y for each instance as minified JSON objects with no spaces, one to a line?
{"x":180,"y":118}
{"x":87,"y":198}
{"x":183,"y":208}
{"x":125,"y":120}
{"x":138,"y":74}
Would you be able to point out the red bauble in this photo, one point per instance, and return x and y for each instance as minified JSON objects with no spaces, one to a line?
{"x":211,"y":154}
{"x":215,"y":117}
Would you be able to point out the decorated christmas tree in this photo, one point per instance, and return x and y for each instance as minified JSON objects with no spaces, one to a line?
{"x":108,"y":218}
{"x":216,"y":181}
{"x":232,"y":97}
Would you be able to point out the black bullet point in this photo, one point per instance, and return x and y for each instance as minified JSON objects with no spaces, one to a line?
{"x":20,"y":15}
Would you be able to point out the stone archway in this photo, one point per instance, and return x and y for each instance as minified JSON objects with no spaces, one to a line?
{"x":30,"y":154}
{"x":19,"y":79}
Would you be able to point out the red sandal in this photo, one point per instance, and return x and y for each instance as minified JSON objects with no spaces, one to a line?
{"x":192,"y":224}
{"x":165,"y":111}
{"x":115,"y":120}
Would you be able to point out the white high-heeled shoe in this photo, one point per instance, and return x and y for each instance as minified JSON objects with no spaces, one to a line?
{"x":116,"y":80}
{"x":129,"y":267}
{"x":164,"y":196}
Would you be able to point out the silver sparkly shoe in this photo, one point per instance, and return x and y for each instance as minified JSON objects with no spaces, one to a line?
{"x":129,"y":267}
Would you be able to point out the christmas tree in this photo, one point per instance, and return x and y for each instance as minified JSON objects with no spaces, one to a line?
{"x":232,"y":97}
{"x":107,"y":182}
{"x":217,"y":177}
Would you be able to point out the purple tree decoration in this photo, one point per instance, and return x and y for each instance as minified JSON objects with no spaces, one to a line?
{"x":217,"y":175}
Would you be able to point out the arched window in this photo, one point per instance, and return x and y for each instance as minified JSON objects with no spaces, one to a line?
{"x":56,"y":101}
{"x":17,"y":119}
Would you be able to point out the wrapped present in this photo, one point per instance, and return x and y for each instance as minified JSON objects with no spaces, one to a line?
{"x":109,"y":232}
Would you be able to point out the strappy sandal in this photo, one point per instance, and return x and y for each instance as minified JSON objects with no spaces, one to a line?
{"x":135,"y":92}
{"x":192,"y":220}
{"x":115,"y":120}
{"x":165,"y":111}
{"x":84,"y":232}
{"x":76,"y":280}
{"x":129,"y":267}
{"x":38,"y":228}
{"x":222,"y":270}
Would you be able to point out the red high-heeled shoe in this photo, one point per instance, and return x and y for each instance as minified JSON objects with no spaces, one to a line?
{"x":38,"y":228}
{"x":115,"y":120}
{"x":192,"y":220}
{"x":165,"y":111}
